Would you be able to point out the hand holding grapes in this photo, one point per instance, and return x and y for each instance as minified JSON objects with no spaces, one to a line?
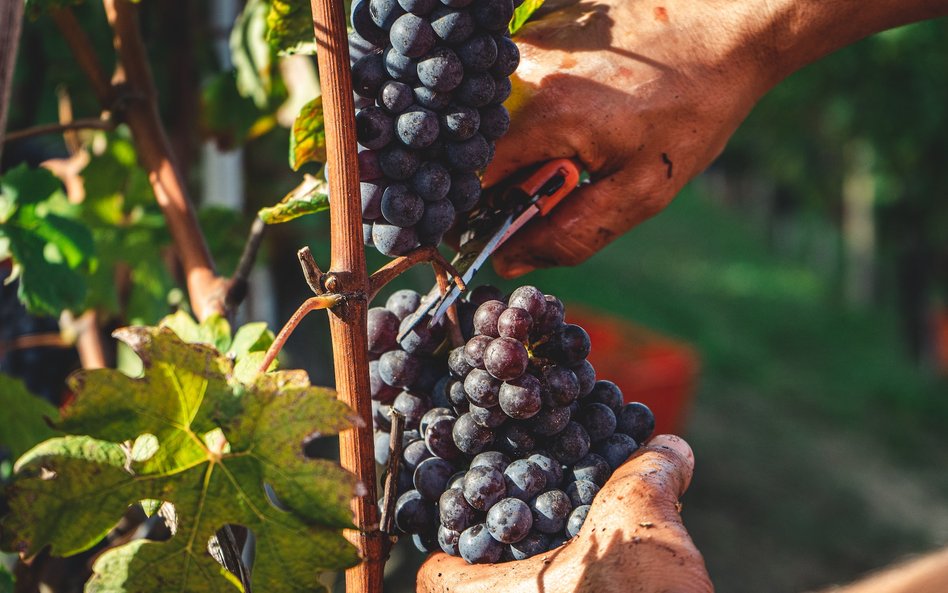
{"x":632,"y":540}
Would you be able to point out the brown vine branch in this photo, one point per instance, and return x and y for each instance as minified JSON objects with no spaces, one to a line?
{"x":395,"y":446}
{"x":82,"y":50}
{"x":400,"y":265}
{"x":240,"y":280}
{"x":89,"y":123}
{"x":327,"y":301}
{"x":311,"y":271}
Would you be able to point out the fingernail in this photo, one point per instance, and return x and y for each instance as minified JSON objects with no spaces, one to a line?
{"x":676,"y":444}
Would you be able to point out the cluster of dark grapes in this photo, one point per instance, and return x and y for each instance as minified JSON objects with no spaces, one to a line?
{"x":430,"y":78}
{"x":504,"y":455}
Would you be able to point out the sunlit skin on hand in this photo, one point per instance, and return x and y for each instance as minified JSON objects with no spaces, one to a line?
{"x":633,"y":540}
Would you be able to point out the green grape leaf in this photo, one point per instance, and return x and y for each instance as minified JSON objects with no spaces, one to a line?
{"x":53,"y":252}
{"x":257,"y":73}
{"x":309,"y":197}
{"x":523,"y":13}
{"x":219,"y":448}
{"x":215,"y":331}
{"x":290,"y":27}
{"x":308,"y":137}
{"x":24,"y":417}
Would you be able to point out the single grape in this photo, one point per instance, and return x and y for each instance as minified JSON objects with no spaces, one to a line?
{"x":417,"y":127}
{"x":457,"y":363}
{"x":432,"y":415}
{"x":459,"y":122}
{"x":448,"y":540}
{"x":359,"y":47}
{"x":487,"y":317}
{"x":510,"y":520}
{"x":474,"y":349}
{"x":530,"y":299}
{"x":581,"y":492}
{"x":592,"y":468}
{"x":399,"y":66}
{"x":470,"y":437}
{"x":550,"y":421}
{"x":369,"y":168}
{"x":422,"y":339}
{"x":431,"y":181}
{"x":487,"y":417}
{"x":396,"y":96}
{"x":476,"y":90}
{"x":371,"y":199}
{"x":477,"y":546}
{"x":468,"y":155}
{"x":483,"y":487}
{"x":425,"y":542}
{"x":636,"y":420}
{"x":368,"y":74}
{"x":494,"y":459}
{"x":379,"y":389}
{"x":412,"y":35}
{"x":374,"y":128}
{"x":399,"y":369}
{"x":364,"y":25}
{"x":550,"y":511}
{"x":483,"y":293}
{"x":431,"y":477}
{"x":413,"y":513}
{"x":382,"y":451}
{"x":440,"y":70}
{"x":482,"y":389}
{"x":586,"y":375}
{"x":457,"y":396}
{"x":399,"y":162}
{"x":493,"y":15}
{"x":439,"y":440}
{"x":524,"y":479}
{"x":431,"y":99}
{"x":607,"y":393}
{"x":520,"y":398}
{"x":412,"y":406}
{"x":495,"y":121}
{"x":452,"y":26}
{"x":502,"y":89}
{"x":506,"y":359}
{"x":403,"y":303}
{"x":384,"y":12}
{"x":514,"y":323}
{"x":465,"y":190}
{"x":382,"y":327}
{"x":435,"y":222}
{"x":508,"y":58}
{"x":419,"y":7}
{"x":598,"y":420}
{"x":551,"y":468}
{"x":534,"y":543}
{"x":560,"y":385}
{"x":576,"y":520}
{"x":515,"y":440}
{"x":570,"y":445}
{"x":572,"y":345}
{"x":478,"y":53}
{"x":617,"y":449}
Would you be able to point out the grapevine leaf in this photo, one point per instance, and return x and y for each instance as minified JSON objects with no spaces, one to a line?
{"x":308,"y":137}
{"x":233,"y":441}
{"x":290,"y":27}
{"x":23,"y":417}
{"x":53,"y":253}
{"x":523,"y":13}
{"x":215,"y":331}
{"x":309,"y":197}
{"x":257,"y":73}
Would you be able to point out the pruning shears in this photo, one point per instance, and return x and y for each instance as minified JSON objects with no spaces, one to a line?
{"x":505,"y":211}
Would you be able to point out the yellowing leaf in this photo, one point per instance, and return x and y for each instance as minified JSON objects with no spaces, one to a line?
{"x":308,"y":137}
{"x":523,"y":13}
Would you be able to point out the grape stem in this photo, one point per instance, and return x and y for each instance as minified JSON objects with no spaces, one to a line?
{"x":400,"y":265}
{"x":395,"y":446}
{"x":454,"y":325}
{"x":326,"y":301}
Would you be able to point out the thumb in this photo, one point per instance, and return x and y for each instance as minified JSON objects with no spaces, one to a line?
{"x":586,"y":221}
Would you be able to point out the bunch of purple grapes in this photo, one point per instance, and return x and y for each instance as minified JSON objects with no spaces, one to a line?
{"x":518,"y":436}
{"x":430,"y":78}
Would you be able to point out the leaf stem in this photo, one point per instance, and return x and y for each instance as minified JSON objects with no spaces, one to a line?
{"x":327,"y":301}
{"x":400,"y":265}
{"x":90,"y":123}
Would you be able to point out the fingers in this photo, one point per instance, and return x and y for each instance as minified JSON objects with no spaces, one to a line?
{"x":586,"y":221}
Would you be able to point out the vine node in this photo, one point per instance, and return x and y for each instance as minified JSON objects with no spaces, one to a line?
{"x":312,"y":273}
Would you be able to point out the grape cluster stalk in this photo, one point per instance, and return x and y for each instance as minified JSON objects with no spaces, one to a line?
{"x":430,"y":78}
{"x":509,"y":437}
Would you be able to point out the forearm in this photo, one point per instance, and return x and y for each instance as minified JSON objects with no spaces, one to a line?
{"x":926,"y":575}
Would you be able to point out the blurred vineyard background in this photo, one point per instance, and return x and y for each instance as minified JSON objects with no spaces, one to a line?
{"x":808,"y":268}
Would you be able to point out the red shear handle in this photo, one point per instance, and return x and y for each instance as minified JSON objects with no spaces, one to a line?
{"x":565,"y":169}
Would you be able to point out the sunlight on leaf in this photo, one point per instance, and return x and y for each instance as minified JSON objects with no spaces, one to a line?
{"x":308,"y":137}
{"x":309,"y":197}
{"x":523,"y":13}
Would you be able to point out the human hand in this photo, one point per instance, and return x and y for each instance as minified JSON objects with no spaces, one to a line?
{"x":633,"y":540}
